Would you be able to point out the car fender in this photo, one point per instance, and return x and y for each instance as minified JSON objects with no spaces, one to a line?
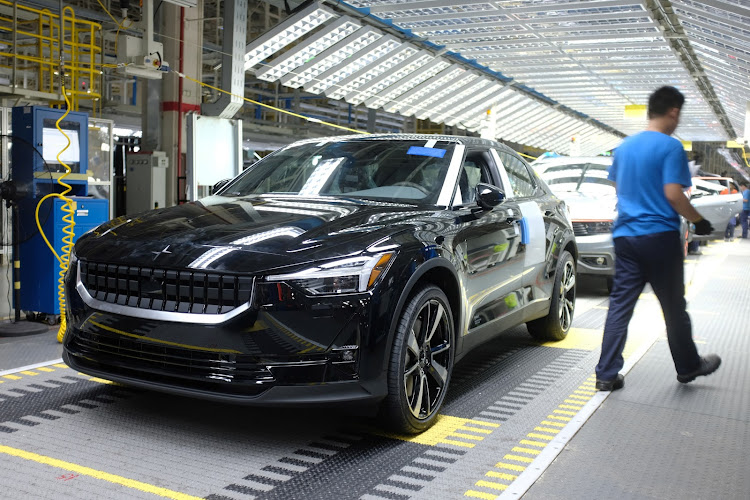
{"x":417,"y":274}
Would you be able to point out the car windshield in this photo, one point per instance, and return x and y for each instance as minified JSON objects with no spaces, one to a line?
{"x":586,"y":178}
{"x":392,"y":171}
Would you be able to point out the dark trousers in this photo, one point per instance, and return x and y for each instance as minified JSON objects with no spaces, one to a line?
{"x":743,"y":222}
{"x":656,"y":259}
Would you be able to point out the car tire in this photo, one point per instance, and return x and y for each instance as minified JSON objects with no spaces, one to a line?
{"x":421,"y":362}
{"x":556,"y":325}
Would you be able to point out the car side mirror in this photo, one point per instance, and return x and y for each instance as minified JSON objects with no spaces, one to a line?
{"x":216,"y":187}
{"x":489,"y":196}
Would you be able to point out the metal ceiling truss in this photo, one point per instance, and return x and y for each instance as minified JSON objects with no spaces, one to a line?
{"x":337,"y":50}
{"x":596,"y":56}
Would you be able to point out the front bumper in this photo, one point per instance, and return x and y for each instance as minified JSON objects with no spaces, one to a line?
{"x":596,"y":255}
{"x":287,"y":349}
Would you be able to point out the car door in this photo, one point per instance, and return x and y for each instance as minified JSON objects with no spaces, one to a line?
{"x":489,"y":249}
{"x":542,"y":224}
{"x":717,"y":208}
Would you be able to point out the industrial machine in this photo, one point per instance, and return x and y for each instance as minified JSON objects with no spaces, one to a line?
{"x":146,"y":178}
{"x":36,"y":170}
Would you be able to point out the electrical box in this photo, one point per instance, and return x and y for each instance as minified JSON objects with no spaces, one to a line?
{"x":40,"y":270}
{"x":146,"y":179}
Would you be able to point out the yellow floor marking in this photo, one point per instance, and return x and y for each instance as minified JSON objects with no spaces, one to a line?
{"x":587,"y":393}
{"x":473,"y":429}
{"x":533,"y":443}
{"x":517,"y":468}
{"x":571,"y":407}
{"x":467,"y":436}
{"x":546,"y":429}
{"x":501,"y":475}
{"x":104,"y":476}
{"x":45,"y":369}
{"x":491,"y":485}
{"x":579,"y":338}
{"x":12,"y":377}
{"x":519,"y":449}
{"x":555,"y":424}
{"x":2,"y":381}
{"x":480,"y":494}
{"x":575,"y":402}
{"x":578,"y":400}
{"x":444,"y":427}
{"x":585,"y":398}
{"x":540,"y":436}
{"x":558,"y":417}
{"x":565,"y":412}
{"x":519,"y":458}
{"x":29,"y":372}
{"x":100,"y":380}
{"x":61,"y":365}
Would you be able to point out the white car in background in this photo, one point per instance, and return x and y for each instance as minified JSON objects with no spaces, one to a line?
{"x":718,"y":200}
{"x":591,"y":198}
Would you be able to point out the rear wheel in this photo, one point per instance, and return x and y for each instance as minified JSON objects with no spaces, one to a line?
{"x":421,"y":362}
{"x":556,"y":324}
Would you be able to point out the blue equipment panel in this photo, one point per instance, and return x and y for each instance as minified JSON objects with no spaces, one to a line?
{"x":40,"y":270}
{"x":36,"y":172}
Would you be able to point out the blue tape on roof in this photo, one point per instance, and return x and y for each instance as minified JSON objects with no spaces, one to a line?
{"x":419,"y":151}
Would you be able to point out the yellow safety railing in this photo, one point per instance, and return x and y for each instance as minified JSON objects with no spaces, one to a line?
{"x":31,"y":48}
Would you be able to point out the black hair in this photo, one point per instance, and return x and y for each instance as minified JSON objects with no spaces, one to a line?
{"x":664,"y":99}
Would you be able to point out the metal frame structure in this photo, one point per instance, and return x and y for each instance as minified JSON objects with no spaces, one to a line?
{"x":326,"y":49}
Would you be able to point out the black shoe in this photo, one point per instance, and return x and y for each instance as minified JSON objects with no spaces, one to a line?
{"x":611,"y":385}
{"x":709,"y":364}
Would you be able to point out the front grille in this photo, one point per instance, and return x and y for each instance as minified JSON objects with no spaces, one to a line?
{"x":198,"y":369}
{"x":164,"y":289}
{"x":592,"y":227}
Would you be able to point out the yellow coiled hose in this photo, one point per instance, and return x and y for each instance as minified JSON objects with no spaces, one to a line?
{"x":69,"y":209}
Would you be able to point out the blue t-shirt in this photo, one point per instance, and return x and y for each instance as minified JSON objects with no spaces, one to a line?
{"x":642,"y":165}
{"x":746,"y":199}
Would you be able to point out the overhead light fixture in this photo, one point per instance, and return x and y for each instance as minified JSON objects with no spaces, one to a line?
{"x":385,"y":80}
{"x":455,"y":87}
{"x":311,"y":47}
{"x":469,"y":91}
{"x":368,"y":73}
{"x":284,"y":33}
{"x":331,"y":57}
{"x":425,"y":88}
{"x":407,"y":83}
{"x":365,"y":57}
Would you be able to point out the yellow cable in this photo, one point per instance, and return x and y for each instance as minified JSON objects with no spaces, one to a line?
{"x":526,"y":156}
{"x":308,"y":118}
{"x":69,"y":209}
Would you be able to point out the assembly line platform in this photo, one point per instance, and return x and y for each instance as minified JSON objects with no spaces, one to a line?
{"x":521,"y":420}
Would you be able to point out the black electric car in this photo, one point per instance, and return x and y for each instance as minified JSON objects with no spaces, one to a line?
{"x":335,"y":270}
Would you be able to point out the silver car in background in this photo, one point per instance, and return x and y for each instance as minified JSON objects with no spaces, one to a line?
{"x":717,"y":199}
{"x":591,"y":198}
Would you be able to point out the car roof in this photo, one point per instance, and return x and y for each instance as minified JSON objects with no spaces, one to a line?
{"x":568,"y":160}
{"x":457,"y":139}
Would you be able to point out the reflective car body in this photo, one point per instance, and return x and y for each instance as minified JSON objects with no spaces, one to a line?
{"x":718,"y":200}
{"x":290,"y":284}
{"x":582,"y":182}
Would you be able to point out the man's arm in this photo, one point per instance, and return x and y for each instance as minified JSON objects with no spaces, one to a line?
{"x":681,"y":204}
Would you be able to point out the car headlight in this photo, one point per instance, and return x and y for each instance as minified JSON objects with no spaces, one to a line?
{"x":350,"y":275}
{"x":73,"y":261}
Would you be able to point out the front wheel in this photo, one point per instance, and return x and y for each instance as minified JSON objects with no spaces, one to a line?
{"x":421,"y":362}
{"x":556,"y":324}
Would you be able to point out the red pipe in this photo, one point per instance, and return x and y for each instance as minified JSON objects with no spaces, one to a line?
{"x":179,"y":107}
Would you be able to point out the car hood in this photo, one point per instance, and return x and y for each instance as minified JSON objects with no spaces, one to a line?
{"x":584,"y":207}
{"x":242,"y":234}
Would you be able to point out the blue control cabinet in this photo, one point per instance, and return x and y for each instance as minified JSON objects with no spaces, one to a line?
{"x":40,"y":270}
{"x":36,"y":170}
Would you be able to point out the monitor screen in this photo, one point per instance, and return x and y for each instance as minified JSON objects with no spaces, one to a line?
{"x":53,"y":142}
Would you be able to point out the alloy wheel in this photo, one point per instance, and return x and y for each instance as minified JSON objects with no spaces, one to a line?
{"x":566,"y":302}
{"x":428,"y":359}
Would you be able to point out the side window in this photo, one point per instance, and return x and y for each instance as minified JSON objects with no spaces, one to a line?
{"x":473,"y":171}
{"x":521,"y":180}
